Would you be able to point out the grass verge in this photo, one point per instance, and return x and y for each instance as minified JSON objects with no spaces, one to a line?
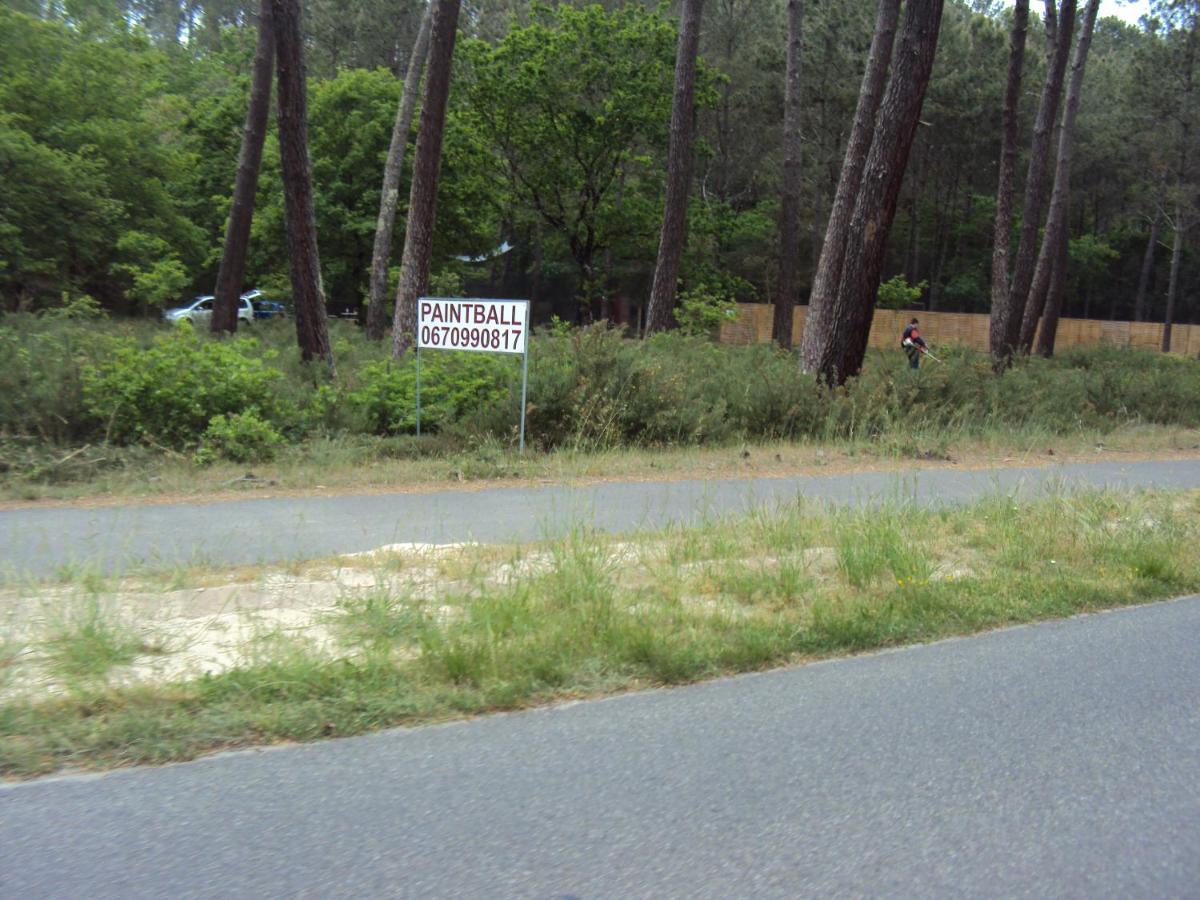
{"x":591,"y":614}
{"x":361,"y":464}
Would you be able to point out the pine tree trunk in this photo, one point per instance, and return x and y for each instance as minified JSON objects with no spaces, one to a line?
{"x":816,"y":349}
{"x":679,"y":172}
{"x":1056,"y":291}
{"x":304,"y":259}
{"x":875,"y":209}
{"x":789,"y":200}
{"x":1053,"y":244}
{"x":1173,"y":281}
{"x":1139,"y":306}
{"x":377,"y":317}
{"x":1181,"y":209}
{"x":232,"y":274}
{"x":422,"y":195}
{"x":1002,"y":232}
{"x":1058,"y":50}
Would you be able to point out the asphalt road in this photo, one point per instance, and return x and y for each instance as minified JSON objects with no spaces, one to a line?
{"x":1057,"y":760}
{"x":39,"y":542}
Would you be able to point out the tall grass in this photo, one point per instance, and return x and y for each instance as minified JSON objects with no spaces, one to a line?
{"x":87,"y":639}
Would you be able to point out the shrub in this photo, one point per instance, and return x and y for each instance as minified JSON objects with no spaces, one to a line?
{"x":41,"y":380}
{"x":168,"y":393}
{"x":451,"y":385}
{"x":704,"y":306}
{"x":240,"y":437}
{"x":71,"y":382}
{"x":895,"y":293}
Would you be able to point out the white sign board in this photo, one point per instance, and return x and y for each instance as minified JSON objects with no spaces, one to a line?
{"x":487,"y":326}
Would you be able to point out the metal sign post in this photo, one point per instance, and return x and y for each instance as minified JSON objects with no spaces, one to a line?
{"x":480,"y":326}
{"x":524,"y":379}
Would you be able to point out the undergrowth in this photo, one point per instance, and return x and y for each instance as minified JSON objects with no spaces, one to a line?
{"x":110,"y":389}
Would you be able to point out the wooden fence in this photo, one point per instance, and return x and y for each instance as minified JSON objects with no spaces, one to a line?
{"x":753,"y":326}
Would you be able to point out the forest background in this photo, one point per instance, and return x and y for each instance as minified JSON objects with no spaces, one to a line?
{"x":121,"y":122}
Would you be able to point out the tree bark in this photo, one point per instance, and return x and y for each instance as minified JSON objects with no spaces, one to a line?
{"x":1053,"y":251}
{"x":1002,"y":232}
{"x":427,"y":159}
{"x":304,"y":259}
{"x":232,"y":274}
{"x":1139,"y":305}
{"x":1181,"y":209}
{"x":1173,"y":281}
{"x":816,"y":353}
{"x":1056,"y":291}
{"x":679,"y":171}
{"x":875,"y":209}
{"x":377,"y":317}
{"x":1059,"y":31}
{"x":789,"y":199}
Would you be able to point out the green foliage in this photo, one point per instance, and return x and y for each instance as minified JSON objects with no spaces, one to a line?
{"x":87,"y":641}
{"x":576,"y":103}
{"x":446,"y":283}
{"x":156,"y":275}
{"x":240,"y":438}
{"x":69,"y":382}
{"x":41,"y":381}
{"x":168,"y":392}
{"x":703,"y":306}
{"x":78,"y":306}
{"x":896,"y":293}
{"x":452,"y":385}
{"x":734,"y":246}
{"x":90,"y":123}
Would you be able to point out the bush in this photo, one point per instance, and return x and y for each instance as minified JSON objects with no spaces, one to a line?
{"x":895,"y":293}
{"x":452,"y":384}
{"x":41,"y":380}
{"x":168,"y":393}
{"x":74,"y":382}
{"x":241,"y":438}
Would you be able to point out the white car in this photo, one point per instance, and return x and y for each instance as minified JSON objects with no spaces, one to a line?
{"x":199,"y":311}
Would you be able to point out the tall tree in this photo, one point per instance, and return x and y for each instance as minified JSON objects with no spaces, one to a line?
{"x":1183,"y":16}
{"x":377,"y":319}
{"x":1002,"y":232}
{"x":1147,"y":270}
{"x":232,"y":274}
{"x":1007,"y":318}
{"x":304,"y":259}
{"x":817,"y":351}
{"x":1049,"y":280}
{"x":1173,"y":279}
{"x":789,"y":195}
{"x":875,"y":208}
{"x":679,"y":171}
{"x":574,"y":104}
{"x":422,"y":197}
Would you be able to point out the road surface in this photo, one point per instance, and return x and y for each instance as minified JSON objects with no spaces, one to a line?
{"x":1058,"y":760}
{"x":40,"y":542}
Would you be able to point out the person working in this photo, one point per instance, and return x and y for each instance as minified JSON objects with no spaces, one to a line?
{"x":913,"y":344}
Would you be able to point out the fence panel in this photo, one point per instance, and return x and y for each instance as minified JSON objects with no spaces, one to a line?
{"x":753,"y":325}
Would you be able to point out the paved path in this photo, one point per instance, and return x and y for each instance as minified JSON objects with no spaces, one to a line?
{"x":1052,"y":761}
{"x":40,"y":541}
